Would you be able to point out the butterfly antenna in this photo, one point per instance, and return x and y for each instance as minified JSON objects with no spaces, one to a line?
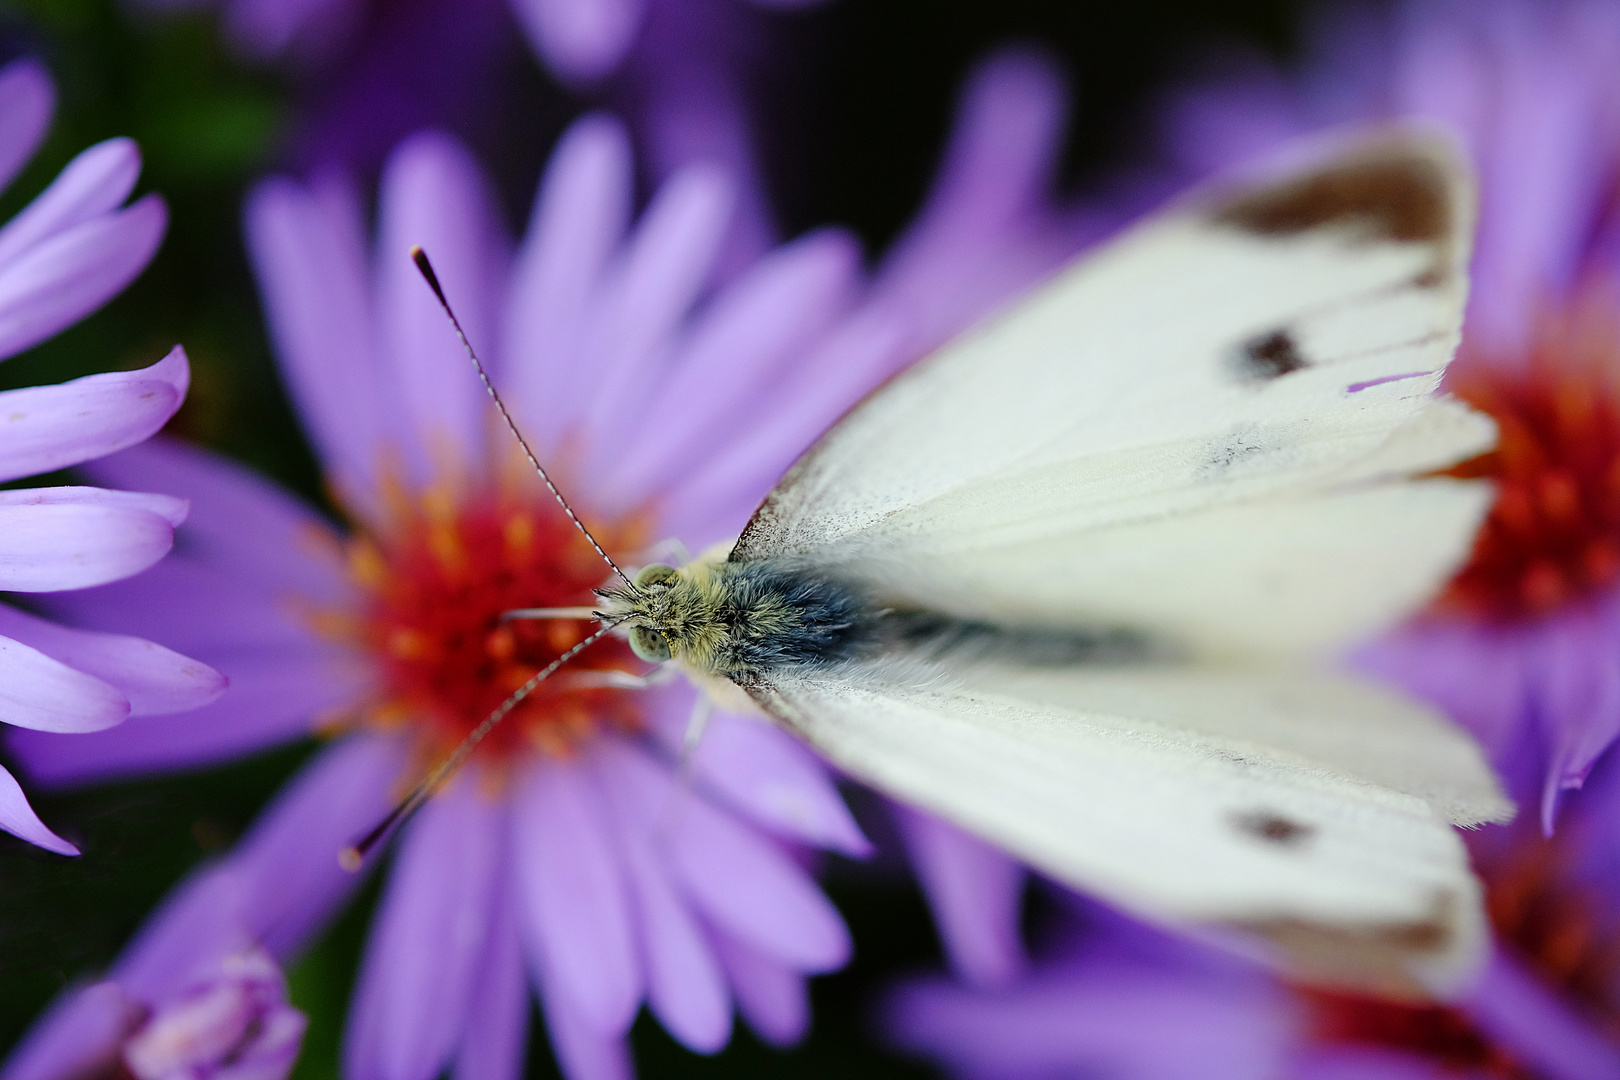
{"x":352,"y":856}
{"x":419,"y":257}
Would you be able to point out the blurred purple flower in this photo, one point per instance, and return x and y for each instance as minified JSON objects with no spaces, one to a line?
{"x":64,"y":255}
{"x":569,"y":839}
{"x":1525,"y":649}
{"x":1112,"y":998}
{"x":585,"y":41}
{"x":193,"y":998}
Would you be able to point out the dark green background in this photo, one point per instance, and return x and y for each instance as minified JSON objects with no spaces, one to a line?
{"x":858,"y":110}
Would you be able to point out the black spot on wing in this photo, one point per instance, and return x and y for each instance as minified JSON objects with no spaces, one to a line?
{"x":1272,"y":828}
{"x":1267,"y":356}
{"x":1400,"y":193}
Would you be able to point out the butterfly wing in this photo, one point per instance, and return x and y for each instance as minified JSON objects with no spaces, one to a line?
{"x":1205,"y":432}
{"x":1294,"y":817}
{"x":1167,"y":407}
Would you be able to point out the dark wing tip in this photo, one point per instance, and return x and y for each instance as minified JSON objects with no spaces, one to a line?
{"x":1402,"y":187}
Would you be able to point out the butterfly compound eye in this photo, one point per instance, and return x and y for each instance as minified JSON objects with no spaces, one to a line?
{"x":649,"y":645}
{"x":655,"y":575}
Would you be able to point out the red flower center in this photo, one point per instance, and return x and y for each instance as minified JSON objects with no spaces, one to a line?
{"x":437,"y":585}
{"x":1553,"y":534}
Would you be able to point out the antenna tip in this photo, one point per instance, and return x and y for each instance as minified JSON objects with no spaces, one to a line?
{"x":350,"y":858}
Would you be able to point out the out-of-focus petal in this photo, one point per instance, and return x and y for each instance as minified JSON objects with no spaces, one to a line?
{"x":434,"y":196}
{"x":684,"y":983}
{"x":19,"y":819}
{"x":975,"y":892}
{"x":272,"y":700}
{"x":410,"y":1007}
{"x":44,"y":694}
{"x":574,"y":911}
{"x":183,"y":941}
{"x":62,"y":279}
{"x":765,"y":773}
{"x":309,"y":256}
{"x":1104,"y":1018}
{"x":647,"y":293}
{"x":580,"y":40}
{"x":741,"y":882}
{"x":289,"y":859}
{"x":79,"y":1035}
{"x":238,"y":520}
{"x":580,"y":214}
{"x":1540,"y":1030}
{"x":498,"y":1020}
{"x":49,"y":547}
{"x":583,"y":1052}
{"x":94,"y":183}
{"x":736,"y":349}
{"x":27,"y":100}
{"x":52,"y":427}
{"x":772,"y":996}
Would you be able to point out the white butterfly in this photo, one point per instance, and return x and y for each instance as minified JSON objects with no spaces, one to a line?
{"x":1072,"y":583}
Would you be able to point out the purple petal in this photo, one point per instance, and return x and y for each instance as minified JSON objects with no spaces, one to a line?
{"x":737,"y":349}
{"x":575,"y":912}
{"x":976,"y":893}
{"x":580,"y":40}
{"x":79,"y":1035}
{"x":715,"y":500}
{"x":1547,"y":1034}
{"x":648,"y":292}
{"x":742,"y":882}
{"x":94,"y":183}
{"x":1344,"y":1062}
{"x":214,"y":612}
{"x":238,"y":519}
{"x":40,"y":692}
{"x":51,"y":547}
{"x":582,"y":1051}
{"x":433,"y":195}
{"x":497,"y":1032}
{"x":199,"y":922}
{"x":266,"y":28}
{"x":170,"y":509}
{"x":19,"y":819}
{"x":684,"y":984}
{"x":580,"y":213}
{"x":771,"y":995}
{"x":272,"y":701}
{"x":309,"y":255}
{"x":289,"y":860}
{"x":416,"y":981}
{"x":1102,"y":1018}
{"x":27,"y":100}
{"x":1579,"y":706}
{"x":52,"y":427}
{"x":60,"y":280}
{"x":767,"y":774}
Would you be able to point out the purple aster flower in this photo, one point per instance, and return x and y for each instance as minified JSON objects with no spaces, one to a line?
{"x":1109,"y":997}
{"x":1525,"y":646}
{"x":68,"y":252}
{"x":570,"y":846}
{"x":193,"y":998}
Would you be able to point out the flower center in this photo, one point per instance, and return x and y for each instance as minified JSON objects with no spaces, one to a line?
{"x":1553,"y":534}
{"x":437,"y":585}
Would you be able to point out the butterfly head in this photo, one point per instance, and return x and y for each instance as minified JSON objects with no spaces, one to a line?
{"x":670,"y":613}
